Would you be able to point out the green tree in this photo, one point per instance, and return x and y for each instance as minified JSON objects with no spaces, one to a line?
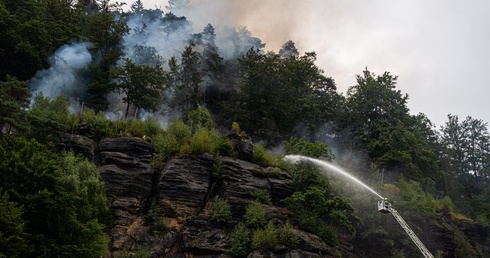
{"x":82,"y":179}
{"x":301,"y":146}
{"x":13,"y":103}
{"x":240,"y":240}
{"x":288,"y":50}
{"x":280,"y":94}
{"x":467,"y":146}
{"x":186,"y":79}
{"x":265,"y":239}
{"x":13,"y":236}
{"x":255,"y":215}
{"x":31,"y":31}
{"x":466,"y":158}
{"x":378,"y":120}
{"x":137,"y":7}
{"x":211,"y":61}
{"x":105,"y":33}
{"x":48,"y":118}
{"x":221,"y":211}
{"x":143,"y":85}
{"x":32,"y":177}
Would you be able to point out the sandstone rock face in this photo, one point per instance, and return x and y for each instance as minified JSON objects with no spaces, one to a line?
{"x":79,"y":145}
{"x":127,"y":173}
{"x":167,"y":213}
{"x":243,"y":146}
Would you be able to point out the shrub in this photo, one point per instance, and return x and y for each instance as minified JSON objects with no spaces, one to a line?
{"x":97,"y":125}
{"x":235,"y":128}
{"x":199,"y":118}
{"x":262,"y":156}
{"x":305,"y":175}
{"x":118,"y":128}
{"x":463,"y":245}
{"x":225,"y":147}
{"x":240,"y":240}
{"x":158,"y":223}
{"x":180,"y":131}
{"x":185,"y":150}
{"x":255,"y":215}
{"x":220,"y":209}
{"x":165,"y":146}
{"x":287,"y":236}
{"x":137,"y":128}
{"x":303,"y":147}
{"x":203,"y":141}
{"x":217,"y":166}
{"x":152,"y":127}
{"x":265,"y":239}
{"x":261,"y":196}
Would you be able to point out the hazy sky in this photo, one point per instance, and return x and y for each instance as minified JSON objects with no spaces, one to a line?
{"x":440,"y":49}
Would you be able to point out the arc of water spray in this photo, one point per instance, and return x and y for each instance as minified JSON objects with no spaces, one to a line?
{"x":326,"y":165}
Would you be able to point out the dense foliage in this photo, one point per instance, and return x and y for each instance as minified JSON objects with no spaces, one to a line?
{"x":196,"y":87}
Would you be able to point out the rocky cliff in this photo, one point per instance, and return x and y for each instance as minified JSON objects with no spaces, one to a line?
{"x":167,"y":213}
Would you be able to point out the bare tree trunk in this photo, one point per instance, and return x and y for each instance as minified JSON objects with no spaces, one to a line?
{"x":127,"y":111}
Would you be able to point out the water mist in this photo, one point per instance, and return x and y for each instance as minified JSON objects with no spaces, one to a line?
{"x":328,"y":167}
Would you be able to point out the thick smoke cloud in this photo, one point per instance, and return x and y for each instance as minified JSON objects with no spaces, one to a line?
{"x":64,"y":75}
{"x":438,"y":48}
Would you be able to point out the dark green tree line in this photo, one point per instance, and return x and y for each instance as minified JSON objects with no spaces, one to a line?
{"x":52,"y":221}
{"x":279,"y":94}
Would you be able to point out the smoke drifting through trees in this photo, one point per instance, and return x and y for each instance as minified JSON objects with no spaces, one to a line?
{"x":154,"y":37}
{"x":65,"y":76}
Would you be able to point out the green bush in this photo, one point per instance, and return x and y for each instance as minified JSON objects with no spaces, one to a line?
{"x":255,"y":215}
{"x":220,"y":210}
{"x":240,"y":240}
{"x":152,"y":127}
{"x":305,"y":175}
{"x":185,"y":150}
{"x":98,"y":126}
{"x":235,"y":128}
{"x":165,"y":146}
{"x":463,"y":246}
{"x":225,"y":147}
{"x":155,"y":219}
{"x":13,"y":235}
{"x":199,"y":118}
{"x":287,"y":237}
{"x":261,"y":196}
{"x":82,"y":178}
{"x":301,"y":146}
{"x":140,"y":128}
{"x":180,"y":131}
{"x":413,"y":198}
{"x":49,"y":117}
{"x":265,"y":239}
{"x":137,"y":128}
{"x":262,"y":156}
{"x":204,"y":141}
{"x":118,"y":128}
{"x":217,"y":166}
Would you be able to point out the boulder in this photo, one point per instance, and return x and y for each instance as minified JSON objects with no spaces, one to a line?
{"x":78,"y":144}
{"x":242,"y":145}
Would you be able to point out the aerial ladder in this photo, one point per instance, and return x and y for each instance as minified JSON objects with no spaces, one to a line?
{"x":385,"y":207}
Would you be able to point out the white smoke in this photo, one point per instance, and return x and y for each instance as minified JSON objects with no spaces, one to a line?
{"x":63,"y":77}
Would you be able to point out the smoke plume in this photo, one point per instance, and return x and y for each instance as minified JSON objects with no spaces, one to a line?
{"x":64,"y":76}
